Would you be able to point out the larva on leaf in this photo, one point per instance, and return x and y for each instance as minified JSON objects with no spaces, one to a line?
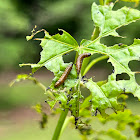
{"x":80,"y":60}
{"x":64,"y":76}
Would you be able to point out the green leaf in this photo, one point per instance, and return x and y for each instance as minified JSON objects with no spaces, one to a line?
{"x":38,"y":108}
{"x":115,"y":134}
{"x":56,"y":46}
{"x":51,"y":103}
{"x":53,"y":47}
{"x":114,"y":88}
{"x":119,"y":58}
{"x":106,"y":95}
{"x":99,"y":99}
{"x":108,"y":20}
{"x":124,"y":119}
{"x":59,"y":97}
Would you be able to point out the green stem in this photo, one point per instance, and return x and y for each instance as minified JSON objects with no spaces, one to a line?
{"x":67,"y":121}
{"x":41,"y":85}
{"x":94,"y":62}
{"x":95,"y":33}
{"x":76,"y":57}
{"x":78,"y":95}
{"x":101,"y":2}
{"x":106,"y":2}
{"x":60,"y":124}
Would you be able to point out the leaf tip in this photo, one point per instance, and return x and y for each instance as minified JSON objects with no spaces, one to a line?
{"x":29,"y":37}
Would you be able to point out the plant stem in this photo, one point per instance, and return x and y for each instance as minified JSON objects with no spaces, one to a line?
{"x":101,"y":2}
{"x":106,"y":2}
{"x":95,"y":33}
{"x":94,"y":62}
{"x":41,"y":85}
{"x":60,"y":124}
{"x":67,"y":121}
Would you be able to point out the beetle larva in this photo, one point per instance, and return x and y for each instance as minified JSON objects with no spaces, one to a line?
{"x":64,"y":76}
{"x":80,"y":60}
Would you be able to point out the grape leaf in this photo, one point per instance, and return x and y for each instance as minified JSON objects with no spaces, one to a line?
{"x":106,"y":95}
{"x":100,"y":100}
{"x":53,"y":47}
{"x":108,"y":20}
{"x":51,"y":56}
{"x":119,"y":58}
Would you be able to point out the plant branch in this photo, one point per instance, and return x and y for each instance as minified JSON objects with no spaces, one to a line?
{"x":94,"y":62}
{"x":60,"y":124}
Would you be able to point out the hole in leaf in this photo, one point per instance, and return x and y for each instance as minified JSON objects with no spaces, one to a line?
{"x":133,"y":104}
{"x":123,"y":76}
{"x":137,"y":76}
{"x":101,"y":70}
{"x":69,"y":57}
{"x":60,"y":32}
{"x":85,"y":92}
{"x":109,"y":111}
{"x":134,"y":65}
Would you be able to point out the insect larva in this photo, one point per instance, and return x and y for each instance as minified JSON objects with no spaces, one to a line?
{"x":64,"y":76}
{"x":80,"y":60}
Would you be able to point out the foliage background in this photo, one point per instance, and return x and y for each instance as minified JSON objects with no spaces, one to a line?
{"x":17,"y":19}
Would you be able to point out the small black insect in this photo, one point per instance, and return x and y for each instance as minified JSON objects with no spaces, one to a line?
{"x":124,"y":90}
{"x":96,"y":111}
{"x":76,"y":119}
{"x":113,"y":71}
{"x":70,"y":89}
{"x":83,"y":77}
{"x":47,"y":88}
{"x":90,"y":100}
{"x":120,"y":44}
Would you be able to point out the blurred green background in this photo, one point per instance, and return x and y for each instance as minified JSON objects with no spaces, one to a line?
{"x":17,"y":18}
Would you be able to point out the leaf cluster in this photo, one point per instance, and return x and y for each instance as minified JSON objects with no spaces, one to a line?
{"x":103,"y":95}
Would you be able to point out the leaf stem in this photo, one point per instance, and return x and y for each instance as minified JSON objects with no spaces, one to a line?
{"x":106,"y":2}
{"x":95,"y":33}
{"x":101,"y":2}
{"x":60,"y":124}
{"x":41,"y":85}
{"x":94,"y":62}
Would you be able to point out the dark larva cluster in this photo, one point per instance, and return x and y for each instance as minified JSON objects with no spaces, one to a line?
{"x":80,"y":60}
{"x":64,"y":76}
